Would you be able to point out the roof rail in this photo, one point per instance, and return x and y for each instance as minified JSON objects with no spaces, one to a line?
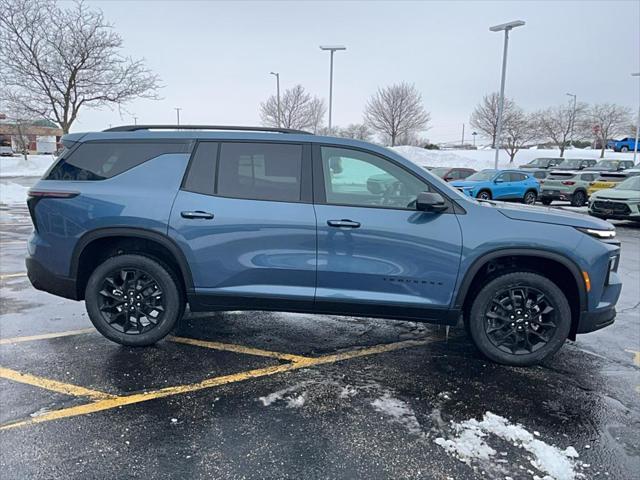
{"x":133,"y":128}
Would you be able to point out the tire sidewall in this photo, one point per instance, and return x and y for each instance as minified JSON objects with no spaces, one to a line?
{"x":528,"y":194}
{"x":482,"y":300}
{"x":578,"y":195}
{"x":167,"y":282}
{"x":485,"y":192}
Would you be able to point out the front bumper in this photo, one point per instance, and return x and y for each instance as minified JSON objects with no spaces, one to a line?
{"x":43,"y":279}
{"x":592,"y":321}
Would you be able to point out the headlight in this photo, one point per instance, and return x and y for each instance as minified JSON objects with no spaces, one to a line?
{"x":599,"y":234}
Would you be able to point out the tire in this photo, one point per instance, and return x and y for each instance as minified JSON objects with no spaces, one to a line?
{"x":484,"y":195}
{"x":110,"y":292}
{"x":578,"y":199}
{"x":530,"y":197}
{"x":483,"y":325}
{"x":546,"y":201}
{"x":624,"y":149}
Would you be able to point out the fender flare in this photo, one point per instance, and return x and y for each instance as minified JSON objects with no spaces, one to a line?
{"x":481,"y":261}
{"x":132,"y":232}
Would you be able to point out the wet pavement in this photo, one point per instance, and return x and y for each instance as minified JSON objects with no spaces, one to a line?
{"x":274,"y":395}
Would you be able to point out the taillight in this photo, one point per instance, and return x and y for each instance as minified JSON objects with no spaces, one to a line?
{"x":568,"y":182}
{"x":34,"y":196}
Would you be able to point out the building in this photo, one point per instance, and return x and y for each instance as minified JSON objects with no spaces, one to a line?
{"x":39,"y":136}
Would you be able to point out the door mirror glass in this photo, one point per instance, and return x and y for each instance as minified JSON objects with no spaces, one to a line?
{"x":430,"y":202}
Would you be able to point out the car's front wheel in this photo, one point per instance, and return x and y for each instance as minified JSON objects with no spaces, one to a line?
{"x":134,"y":300}
{"x":519,"y":319}
{"x":484,"y":195}
{"x":624,"y":149}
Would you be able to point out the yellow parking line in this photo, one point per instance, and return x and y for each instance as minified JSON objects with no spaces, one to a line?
{"x":636,"y":356}
{"x":12,"y":275}
{"x":53,"y":385}
{"x":110,"y":403}
{"x":44,"y":336}
{"x":229,"y":347}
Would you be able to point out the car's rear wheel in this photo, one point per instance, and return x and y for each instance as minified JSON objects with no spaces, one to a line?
{"x":546,"y":201}
{"x":484,"y":195}
{"x":579,"y":199}
{"x":519,"y":319}
{"x":624,"y":149}
{"x":530,"y":197}
{"x":133,"y":300}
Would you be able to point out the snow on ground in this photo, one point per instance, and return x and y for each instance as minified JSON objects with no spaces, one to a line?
{"x":12,"y":193}
{"x":16,"y":166}
{"x":480,"y":159}
{"x":471,"y":443}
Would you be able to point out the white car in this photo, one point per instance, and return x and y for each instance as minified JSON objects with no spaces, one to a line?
{"x":6,"y":151}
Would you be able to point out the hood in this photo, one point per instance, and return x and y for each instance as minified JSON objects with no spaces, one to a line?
{"x":617,"y":193}
{"x":530,"y":213}
{"x":465,"y":183}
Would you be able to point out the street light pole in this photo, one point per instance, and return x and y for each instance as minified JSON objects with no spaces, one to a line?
{"x":177,"y":109}
{"x":573,"y":117}
{"x":635,"y":146}
{"x":277,"y":75}
{"x":506,"y":27}
{"x":474,"y":138}
{"x":332,"y":49}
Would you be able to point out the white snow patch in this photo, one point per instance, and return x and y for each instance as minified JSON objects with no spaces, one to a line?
{"x":471,"y":443}
{"x":296,"y":402}
{"x":12,"y":193}
{"x":16,"y":166}
{"x":399,"y":411}
{"x":292,"y":401}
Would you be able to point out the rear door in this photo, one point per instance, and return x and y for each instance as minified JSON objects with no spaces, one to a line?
{"x":245,"y":220}
{"x":377,"y":254}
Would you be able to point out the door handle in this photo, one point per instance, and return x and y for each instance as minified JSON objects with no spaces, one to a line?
{"x":343,"y":223}
{"x":197,"y":214}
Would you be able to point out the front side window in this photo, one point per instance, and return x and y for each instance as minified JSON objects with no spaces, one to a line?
{"x":260,"y":171}
{"x":352,"y":177}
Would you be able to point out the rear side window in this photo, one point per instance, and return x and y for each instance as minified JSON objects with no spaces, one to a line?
{"x":260,"y":171}
{"x":588,"y":177}
{"x":539,"y":175}
{"x":201,"y":175}
{"x":102,"y":160}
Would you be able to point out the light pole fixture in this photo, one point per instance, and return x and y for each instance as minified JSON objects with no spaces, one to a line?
{"x":177,"y":109}
{"x":473,"y":134}
{"x":573,"y":117}
{"x":635,"y":146}
{"x":506,"y":27}
{"x":332,"y":49}
{"x":277,"y":75}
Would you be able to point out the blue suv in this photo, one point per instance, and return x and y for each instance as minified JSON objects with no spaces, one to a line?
{"x":139,"y":221}
{"x":501,"y":185}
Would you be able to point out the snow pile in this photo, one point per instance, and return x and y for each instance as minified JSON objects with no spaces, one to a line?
{"x":471,"y":443}
{"x":292,"y":401}
{"x":399,"y":411}
{"x":16,"y":166}
{"x":12,"y":193}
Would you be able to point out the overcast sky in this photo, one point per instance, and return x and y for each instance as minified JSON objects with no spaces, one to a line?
{"x":214,"y":58}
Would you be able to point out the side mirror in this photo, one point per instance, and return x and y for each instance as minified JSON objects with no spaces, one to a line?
{"x":430,"y":202}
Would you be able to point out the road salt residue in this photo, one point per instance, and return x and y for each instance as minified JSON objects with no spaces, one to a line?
{"x":399,"y":411}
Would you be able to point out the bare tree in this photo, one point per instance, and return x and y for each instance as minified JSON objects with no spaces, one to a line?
{"x":56,"y":61}
{"x":560,"y":124}
{"x":299,"y":110}
{"x":396,"y":110}
{"x":357,"y":131}
{"x":485,"y":116}
{"x":519,"y":131}
{"x":606,"y":120}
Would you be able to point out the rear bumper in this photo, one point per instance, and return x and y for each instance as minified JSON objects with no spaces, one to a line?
{"x":592,"y":321}
{"x":43,"y":279}
{"x":555,"y":196}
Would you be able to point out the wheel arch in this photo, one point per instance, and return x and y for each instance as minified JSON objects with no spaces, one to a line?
{"x":164,"y":248}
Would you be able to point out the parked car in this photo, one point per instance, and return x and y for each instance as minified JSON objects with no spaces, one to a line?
{"x":140,"y":220}
{"x":6,"y":151}
{"x":610,"y":179}
{"x":449,"y":174}
{"x":608,"y":165}
{"x":621,"y":202}
{"x":576,"y":164}
{"x":500,"y":185}
{"x":567,"y":186}
{"x":627,"y":144}
{"x":540,"y":175}
{"x":543,"y":162}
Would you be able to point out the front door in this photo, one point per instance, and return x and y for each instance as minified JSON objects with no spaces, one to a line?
{"x":245,"y":221}
{"x":377,"y":254}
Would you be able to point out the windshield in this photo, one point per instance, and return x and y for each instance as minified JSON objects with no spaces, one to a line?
{"x":539,"y":162}
{"x":484,"y":175}
{"x":632,"y":183}
{"x":440,"y":171}
{"x":570,"y":164}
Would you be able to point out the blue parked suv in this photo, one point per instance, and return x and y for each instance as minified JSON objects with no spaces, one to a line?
{"x":139,"y":221}
{"x":501,"y":185}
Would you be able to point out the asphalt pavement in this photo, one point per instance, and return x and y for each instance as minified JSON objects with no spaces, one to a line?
{"x":275,"y":395}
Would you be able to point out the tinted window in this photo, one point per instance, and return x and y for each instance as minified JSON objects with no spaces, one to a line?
{"x":540,"y":174}
{"x":201,"y":175}
{"x":518,"y":177}
{"x":102,"y":160}
{"x":588,"y":177}
{"x":260,"y":171}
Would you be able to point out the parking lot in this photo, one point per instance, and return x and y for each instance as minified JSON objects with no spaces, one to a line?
{"x":273,"y":395}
